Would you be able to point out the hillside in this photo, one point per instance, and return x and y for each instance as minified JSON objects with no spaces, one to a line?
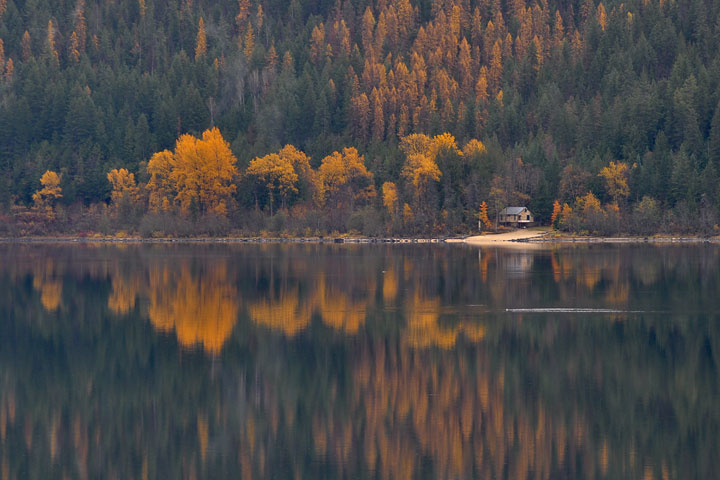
{"x":553,"y":92}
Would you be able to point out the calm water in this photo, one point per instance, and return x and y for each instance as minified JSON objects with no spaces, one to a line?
{"x":319,"y":361}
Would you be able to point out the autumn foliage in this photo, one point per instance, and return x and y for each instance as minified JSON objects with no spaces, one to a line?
{"x":50,"y":192}
{"x":198,"y":175}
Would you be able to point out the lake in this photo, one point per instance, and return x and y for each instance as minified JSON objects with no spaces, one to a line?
{"x":359,"y":361}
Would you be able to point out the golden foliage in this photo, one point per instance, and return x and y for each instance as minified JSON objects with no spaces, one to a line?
{"x":589,"y":204}
{"x":601,"y":16}
{"x":419,"y":170}
{"x":474,"y":147}
{"x":249,"y":44}
{"x":344,"y":180}
{"x":51,"y":41}
{"x":123,"y":184}
{"x":73,"y":48}
{"x":616,"y":180}
{"x":51,"y":191}
{"x":484,"y":215}
{"x":199,"y":172}
{"x":276,"y":174}
{"x":201,"y":40}
{"x":317,"y":44}
{"x":390,"y":197}
{"x":160,"y":186}
{"x":556,"y":213}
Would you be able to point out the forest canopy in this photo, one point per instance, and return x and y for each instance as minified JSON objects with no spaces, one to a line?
{"x":566,"y":99}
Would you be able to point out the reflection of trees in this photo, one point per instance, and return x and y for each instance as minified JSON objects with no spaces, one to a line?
{"x":125,"y":289}
{"x":548,"y":398}
{"x":46,"y":281}
{"x":424,"y":328}
{"x":282,"y":311}
{"x":201,"y":307}
{"x":409,"y":406}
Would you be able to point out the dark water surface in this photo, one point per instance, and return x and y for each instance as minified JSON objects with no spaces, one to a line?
{"x":328,"y":361}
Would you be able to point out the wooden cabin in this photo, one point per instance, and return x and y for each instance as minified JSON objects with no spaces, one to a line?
{"x":516,"y":216}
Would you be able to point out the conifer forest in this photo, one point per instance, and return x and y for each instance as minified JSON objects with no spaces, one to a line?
{"x":385,"y":117}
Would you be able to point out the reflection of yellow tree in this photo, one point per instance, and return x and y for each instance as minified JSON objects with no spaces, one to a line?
{"x":337,"y":309}
{"x":390,"y":285}
{"x":283,"y":312}
{"x":124,"y":292}
{"x":288,"y":312}
{"x":45,"y":281}
{"x":424,"y":330}
{"x":202,"y":308}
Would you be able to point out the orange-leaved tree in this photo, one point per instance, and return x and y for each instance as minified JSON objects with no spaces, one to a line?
{"x":301,"y":164}
{"x":616,"y":180}
{"x":556,"y":214}
{"x":124,"y":188}
{"x":484,"y":215}
{"x":47,"y":196}
{"x":162,"y":189}
{"x":390,"y":197}
{"x":420,"y":168}
{"x":343,"y":180}
{"x":275,"y":174}
{"x":198,"y":174}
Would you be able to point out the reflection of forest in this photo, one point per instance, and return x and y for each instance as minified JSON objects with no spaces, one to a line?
{"x":379,"y":370}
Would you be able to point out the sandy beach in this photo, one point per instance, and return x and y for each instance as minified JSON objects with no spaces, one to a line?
{"x":514,"y":238}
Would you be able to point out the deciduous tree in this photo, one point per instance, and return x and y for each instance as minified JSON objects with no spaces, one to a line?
{"x":390,"y":197}
{"x":47,"y":196}
{"x":616,"y":180}
{"x":276,"y":175}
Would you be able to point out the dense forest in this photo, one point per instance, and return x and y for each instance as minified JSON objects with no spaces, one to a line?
{"x":393,"y":116}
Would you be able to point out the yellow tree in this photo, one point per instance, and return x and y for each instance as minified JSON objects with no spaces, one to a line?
{"x":161,"y":188}
{"x":203,"y":172}
{"x":301,"y":164}
{"x":317,"y":44}
{"x":51,"y":41}
{"x":390,"y":197}
{"x":201,"y":40}
{"x":419,"y":170}
{"x":344,"y":180}
{"x":616,"y":180}
{"x":198,"y":173}
{"x":484,"y":215}
{"x":274,"y":173}
{"x":73,"y":48}
{"x":556,"y":214}
{"x":249,"y":41}
{"x":601,"y":16}
{"x":51,"y":191}
{"x":124,"y":188}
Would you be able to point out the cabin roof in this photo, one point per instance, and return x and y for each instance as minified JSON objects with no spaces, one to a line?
{"x":512,"y":210}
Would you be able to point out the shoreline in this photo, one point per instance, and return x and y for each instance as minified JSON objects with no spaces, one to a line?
{"x":531,"y":239}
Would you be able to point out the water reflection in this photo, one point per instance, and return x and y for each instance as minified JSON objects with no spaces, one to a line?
{"x":353,"y":361}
